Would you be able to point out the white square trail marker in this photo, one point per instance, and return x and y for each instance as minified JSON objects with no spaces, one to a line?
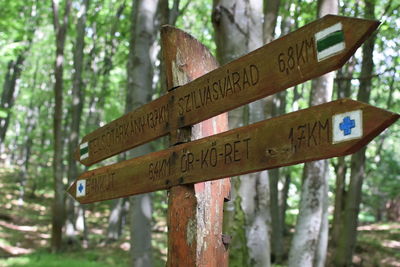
{"x":81,"y":188}
{"x":347,"y":126}
{"x":333,"y":129}
{"x":330,"y":41}
{"x":311,"y":51}
{"x":328,"y":130}
{"x":84,"y":150}
{"x":297,"y":137}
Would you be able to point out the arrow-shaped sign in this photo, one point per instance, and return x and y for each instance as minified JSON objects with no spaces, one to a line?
{"x":313,"y":50}
{"x":333,"y":129}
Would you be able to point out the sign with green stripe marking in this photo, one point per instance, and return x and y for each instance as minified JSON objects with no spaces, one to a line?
{"x":84,"y":151}
{"x":281,"y":64}
{"x":330,"y":41}
{"x":332,"y":129}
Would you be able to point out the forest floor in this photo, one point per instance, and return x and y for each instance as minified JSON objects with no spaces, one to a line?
{"x":25,"y":236}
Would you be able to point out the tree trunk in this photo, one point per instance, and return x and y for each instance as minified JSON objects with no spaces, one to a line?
{"x":348,"y":234}
{"x":31,"y":123}
{"x":139,"y":91}
{"x":271,"y":11}
{"x":283,"y":202}
{"x":343,"y":82}
{"x":76,"y":113}
{"x":102,"y":75}
{"x":239,"y":30}
{"x":275,"y":105}
{"x":119,"y":206}
{"x":236,"y":33}
{"x":116,"y":219}
{"x":195,"y":211}
{"x":310,"y":241}
{"x":58,"y":204}
{"x":14,"y":69}
{"x":9,"y":93}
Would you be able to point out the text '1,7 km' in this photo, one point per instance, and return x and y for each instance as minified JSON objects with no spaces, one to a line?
{"x":313,"y":50}
{"x":332,"y":129}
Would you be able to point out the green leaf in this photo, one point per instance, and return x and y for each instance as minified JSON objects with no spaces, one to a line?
{"x":3,"y":113}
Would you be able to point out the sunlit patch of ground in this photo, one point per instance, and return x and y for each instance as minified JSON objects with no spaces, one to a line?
{"x":25,"y":229}
{"x":378,"y":245}
{"x":379,"y":227}
{"x":25,"y":236}
{"x":24,"y":223}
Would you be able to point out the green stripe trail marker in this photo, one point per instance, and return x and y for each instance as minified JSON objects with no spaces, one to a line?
{"x":84,"y":150}
{"x":330,"y":41}
{"x":328,"y":130}
{"x":281,"y":64}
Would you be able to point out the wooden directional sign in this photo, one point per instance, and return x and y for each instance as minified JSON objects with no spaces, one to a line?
{"x":313,"y":50}
{"x":333,"y":129}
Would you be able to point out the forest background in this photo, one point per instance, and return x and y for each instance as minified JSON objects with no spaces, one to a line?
{"x":68,"y":67}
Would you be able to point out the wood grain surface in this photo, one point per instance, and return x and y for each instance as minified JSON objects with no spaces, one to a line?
{"x":281,"y":64}
{"x":293,"y":138}
{"x":195,"y":211}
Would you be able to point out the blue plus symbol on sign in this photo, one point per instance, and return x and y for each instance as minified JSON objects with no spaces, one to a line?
{"x":80,"y":188}
{"x":347,"y":125}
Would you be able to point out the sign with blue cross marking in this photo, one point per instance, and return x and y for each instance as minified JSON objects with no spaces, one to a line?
{"x":347,"y":126}
{"x":81,"y":188}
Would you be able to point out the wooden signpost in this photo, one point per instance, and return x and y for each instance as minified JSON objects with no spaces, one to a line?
{"x":311,"y":51}
{"x":332,"y":129}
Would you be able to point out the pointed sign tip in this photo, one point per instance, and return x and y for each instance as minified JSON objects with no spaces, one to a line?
{"x":379,"y":120}
{"x":72,"y":190}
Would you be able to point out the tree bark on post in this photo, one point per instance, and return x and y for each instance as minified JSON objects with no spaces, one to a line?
{"x":195,"y":212}
{"x":58,"y":204}
{"x":139,"y":91}
{"x":310,"y":241}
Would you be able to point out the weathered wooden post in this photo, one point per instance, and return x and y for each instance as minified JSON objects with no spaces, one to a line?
{"x":194,"y":210}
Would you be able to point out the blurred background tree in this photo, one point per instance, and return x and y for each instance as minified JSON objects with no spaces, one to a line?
{"x":68,"y":67}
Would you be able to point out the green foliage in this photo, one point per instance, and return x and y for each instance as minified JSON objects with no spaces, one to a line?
{"x":241,"y":255}
{"x":105,"y":94}
{"x":3,"y":113}
{"x":88,"y":258}
{"x":197,"y":21}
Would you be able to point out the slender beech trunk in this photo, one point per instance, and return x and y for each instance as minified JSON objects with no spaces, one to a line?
{"x":348,"y":234}
{"x":343,"y":82}
{"x":116,"y":219}
{"x":76,"y":113}
{"x":9,"y":93}
{"x":102,"y":73}
{"x":139,"y":91}
{"x":60,"y":30}
{"x":310,"y":241}
{"x":31,"y":123}
{"x":118,"y":207}
{"x":13,"y":73}
{"x":239,"y":30}
{"x":275,"y":105}
{"x":283,"y":202}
